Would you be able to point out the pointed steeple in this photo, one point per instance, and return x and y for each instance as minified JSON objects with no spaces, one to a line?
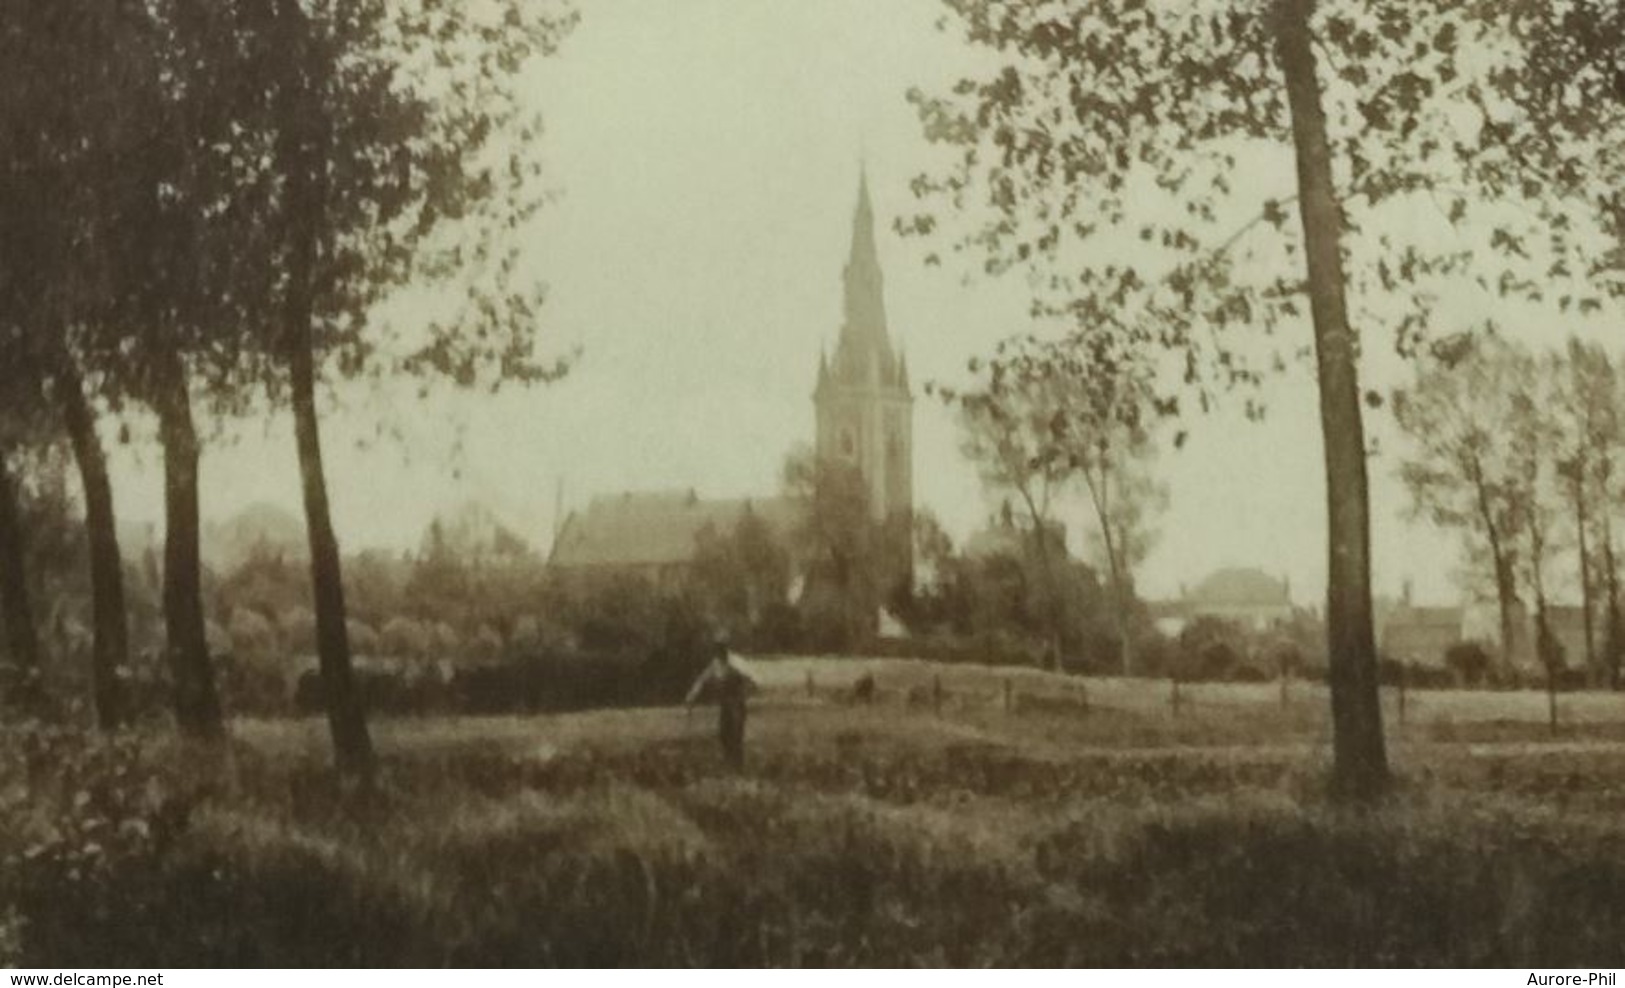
{"x":862,"y":400}
{"x":864,"y":328}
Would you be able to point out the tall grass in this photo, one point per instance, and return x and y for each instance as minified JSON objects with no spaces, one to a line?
{"x":844,"y":843}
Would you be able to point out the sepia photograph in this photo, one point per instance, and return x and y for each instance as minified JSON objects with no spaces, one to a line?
{"x":948,"y":484}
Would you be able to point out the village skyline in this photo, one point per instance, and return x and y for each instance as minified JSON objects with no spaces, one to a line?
{"x":698,"y":272}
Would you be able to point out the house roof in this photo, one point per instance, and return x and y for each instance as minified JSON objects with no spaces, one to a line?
{"x":644,"y":528}
{"x":1422,"y":633}
{"x":1426,"y":616}
{"x":1240,"y":587}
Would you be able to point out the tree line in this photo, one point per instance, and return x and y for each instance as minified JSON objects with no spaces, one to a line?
{"x":1515,"y":448}
{"x":1163,"y":125}
{"x":204,"y":204}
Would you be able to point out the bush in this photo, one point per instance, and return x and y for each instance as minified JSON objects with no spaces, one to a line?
{"x":404,"y":636}
{"x":1470,"y":662}
{"x":1211,"y":649}
{"x":251,"y":633}
{"x":363,"y":639}
{"x":298,"y":628}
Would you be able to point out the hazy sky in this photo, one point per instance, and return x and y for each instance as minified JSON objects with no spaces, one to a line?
{"x":707,"y":153}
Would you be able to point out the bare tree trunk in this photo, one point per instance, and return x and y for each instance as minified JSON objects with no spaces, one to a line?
{"x":302,"y":151}
{"x":23,"y":688}
{"x":1125,"y":637}
{"x":1052,"y":584}
{"x":1614,"y":639}
{"x":346,"y":719}
{"x":1587,"y":607}
{"x":197,"y":706}
{"x":1548,"y":648}
{"x":1506,"y":596}
{"x":110,"y":650}
{"x":1119,"y":580}
{"x":1360,"y":761}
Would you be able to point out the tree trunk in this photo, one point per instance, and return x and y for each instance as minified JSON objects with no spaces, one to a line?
{"x":110,"y":650}
{"x":302,"y":151}
{"x":1052,"y":584}
{"x":197,"y":706}
{"x":22,"y":686}
{"x":1115,"y":568}
{"x":1506,"y":597}
{"x":1612,"y":641}
{"x":346,"y":719}
{"x":1587,"y":607}
{"x":1360,"y":761}
{"x":1548,"y":648}
{"x":1125,"y":640}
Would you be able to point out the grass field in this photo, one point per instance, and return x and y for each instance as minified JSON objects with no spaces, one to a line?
{"x":1079,"y":824}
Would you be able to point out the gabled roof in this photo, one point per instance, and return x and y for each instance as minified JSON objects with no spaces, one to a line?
{"x":1449,"y":617}
{"x":659,"y":528}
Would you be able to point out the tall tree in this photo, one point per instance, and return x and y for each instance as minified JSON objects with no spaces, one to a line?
{"x":64,"y":127}
{"x":1351,"y":644}
{"x":841,"y":547}
{"x":188,"y":256}
{"x":1059,"y":412}
{"x":1473,"y":466}
{"x":390,"y":174}
{"x":1560,"y":135}
{"x":740,"y":570}
{"x":1105,"y":404}
{"x":1009,"y":426}
{"x":1586,"y":411}
{"x":1153,"y":121}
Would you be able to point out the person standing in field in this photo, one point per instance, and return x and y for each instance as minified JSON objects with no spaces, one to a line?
{"x":731,"y":686}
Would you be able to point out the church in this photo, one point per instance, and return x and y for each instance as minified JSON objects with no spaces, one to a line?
{"x":865,"y":416}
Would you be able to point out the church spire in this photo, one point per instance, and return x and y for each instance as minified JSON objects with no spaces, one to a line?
{"x":865,"y":323}
{"x":862,"y":400}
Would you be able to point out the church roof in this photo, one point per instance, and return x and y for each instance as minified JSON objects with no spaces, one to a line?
{"x":655,"y":528}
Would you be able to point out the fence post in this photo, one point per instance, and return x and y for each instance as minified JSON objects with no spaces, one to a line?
{"x":1173,"y":694}
{"x":1007,"y":696}
{"x":1083,"y":695}
{"x":1551,"y":699}
{"x":809,"y":683}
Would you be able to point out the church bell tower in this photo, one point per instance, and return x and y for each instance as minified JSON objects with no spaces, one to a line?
{"x":864,"y":405}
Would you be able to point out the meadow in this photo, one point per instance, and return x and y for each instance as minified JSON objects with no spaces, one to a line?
{"x":949,"y":820}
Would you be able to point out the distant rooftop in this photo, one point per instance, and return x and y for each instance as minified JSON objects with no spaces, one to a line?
{"x":655,"y":528}
{"x":1240,"y":587}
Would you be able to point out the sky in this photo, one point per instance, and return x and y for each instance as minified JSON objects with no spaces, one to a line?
{"x":706,"y":156}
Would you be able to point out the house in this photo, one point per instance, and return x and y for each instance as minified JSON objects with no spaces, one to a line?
{"x":1420,"y":636}
{"x":1244,"y":595}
